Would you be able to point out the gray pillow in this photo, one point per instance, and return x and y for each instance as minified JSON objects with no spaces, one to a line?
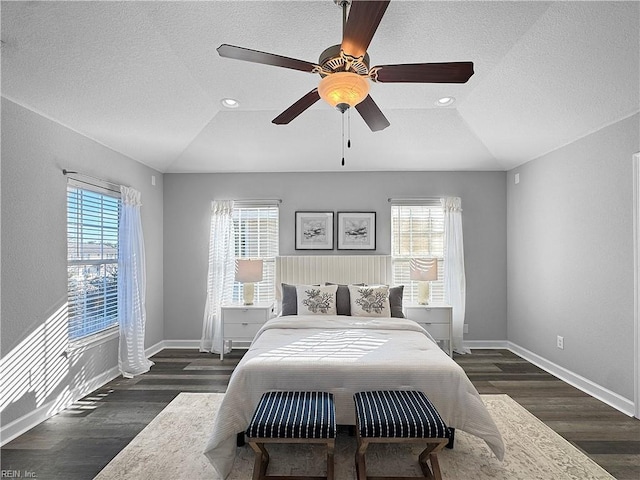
{"x":343,"y":299}
{"x":395,"y":301}
{"x":289,"y":300}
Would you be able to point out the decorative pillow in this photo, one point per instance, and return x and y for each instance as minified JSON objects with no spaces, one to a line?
{"x":343,"y":299}
{"x":370,"y":301}
{"x":289,"y":300}
{"x":316,"y":300}
{"x":395,"y":301}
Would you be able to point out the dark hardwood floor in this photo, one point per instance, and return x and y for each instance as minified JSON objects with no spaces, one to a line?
{"x":77,"y":443}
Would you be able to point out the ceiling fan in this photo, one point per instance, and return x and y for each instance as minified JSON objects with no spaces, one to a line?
{"x":345,"y":68}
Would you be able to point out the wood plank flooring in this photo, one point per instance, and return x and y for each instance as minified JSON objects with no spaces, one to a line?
{"x":77,"y":443}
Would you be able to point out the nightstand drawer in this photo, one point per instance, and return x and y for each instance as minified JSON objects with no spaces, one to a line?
{"x":242,"y":315}
{"x":241,"y":331}
{"x":424,"y":314}
{"x":439,"y":331}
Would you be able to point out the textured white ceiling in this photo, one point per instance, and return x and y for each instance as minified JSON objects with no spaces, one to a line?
{"x":144,"y":79}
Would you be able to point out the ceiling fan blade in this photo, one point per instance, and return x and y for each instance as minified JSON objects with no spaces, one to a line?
{"x":248,"y":55}
{"x":372,"y":115}
{"x":364,"y":18}
{"x":297,"y":108}
{"x":451,"y":72}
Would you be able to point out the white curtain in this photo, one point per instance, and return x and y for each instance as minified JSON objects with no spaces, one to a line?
{"x":131,"y":286}
{"x":455,"y":289}
{"x":221,"y":274}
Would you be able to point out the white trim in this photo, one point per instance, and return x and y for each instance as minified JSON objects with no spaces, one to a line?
{"x":601,"y":393}
{"x":181,"y":344}
{"x":486,"y":344}
{"x":64,"y":400}
{"x":153,"y":349}
{"x":636,"y":279}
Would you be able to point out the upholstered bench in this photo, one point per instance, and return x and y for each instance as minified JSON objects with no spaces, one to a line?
{"x":399,"y":416}
{"x":292,"y":417}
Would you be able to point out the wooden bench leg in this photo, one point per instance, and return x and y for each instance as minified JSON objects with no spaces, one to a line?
{"x":330,"y":459}
{"x":430,"y":455}
{"x":261,"y":462}
{"x":435,"y":466}
{"x":361,"y":466}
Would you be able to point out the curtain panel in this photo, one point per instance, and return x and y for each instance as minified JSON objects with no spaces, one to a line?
{"x":454,"y":276}
{"x":220,"y":276}
{"x":131,"y":286}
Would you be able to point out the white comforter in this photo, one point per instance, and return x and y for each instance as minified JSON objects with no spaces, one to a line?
{"x":344,"y":355}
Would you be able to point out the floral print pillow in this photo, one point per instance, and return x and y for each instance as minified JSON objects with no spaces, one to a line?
{"x":370,"y":301}
{"x":316,"y":300}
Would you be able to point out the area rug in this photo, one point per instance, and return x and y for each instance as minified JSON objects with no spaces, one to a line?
{"x":171,"y":447}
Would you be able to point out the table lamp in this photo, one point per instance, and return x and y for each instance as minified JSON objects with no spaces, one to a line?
{"x":424,"y":271}
{"x":248,"y":272}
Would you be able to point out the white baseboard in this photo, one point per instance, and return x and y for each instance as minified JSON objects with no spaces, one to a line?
{"x":488,"y":344}
{"x":605,"y":395}
{"x":64,"y":400}
{"x":181,"y":344}
{"x":153,"y":349}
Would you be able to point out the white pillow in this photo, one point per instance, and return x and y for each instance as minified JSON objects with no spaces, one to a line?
{"x":370,"y":301}
{"x":316,"y":300}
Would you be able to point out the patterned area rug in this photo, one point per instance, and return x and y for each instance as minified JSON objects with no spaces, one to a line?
{"x":171,"y":447}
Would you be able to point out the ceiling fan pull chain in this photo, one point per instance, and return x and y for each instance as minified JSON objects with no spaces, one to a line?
{"x":349,"y":129}
{"x":342,"y":139}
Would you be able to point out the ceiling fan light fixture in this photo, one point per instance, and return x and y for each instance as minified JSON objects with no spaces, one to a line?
{"x":342,"y":88}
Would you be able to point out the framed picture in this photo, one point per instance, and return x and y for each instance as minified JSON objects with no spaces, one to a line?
{"x":314,"y":230}
{"x":356,"y":230}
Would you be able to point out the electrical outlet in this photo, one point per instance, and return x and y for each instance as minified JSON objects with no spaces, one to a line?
{"x":465,"y":328}
{"x":560,"y":342}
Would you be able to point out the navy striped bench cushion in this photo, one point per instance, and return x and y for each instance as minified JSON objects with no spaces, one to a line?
{"x":294,"y":415}
{"x":398,"y":414}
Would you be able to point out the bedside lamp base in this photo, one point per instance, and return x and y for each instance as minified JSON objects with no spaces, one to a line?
{"x":248,"y":293}
{"x":424,"y":292}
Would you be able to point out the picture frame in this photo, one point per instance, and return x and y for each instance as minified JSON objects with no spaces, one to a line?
{"x":314,"y":231}
{"x":356,"y":230}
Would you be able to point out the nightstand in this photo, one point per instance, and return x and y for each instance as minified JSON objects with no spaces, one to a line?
{"x":434,"y":318}
{"x":240,"y":323}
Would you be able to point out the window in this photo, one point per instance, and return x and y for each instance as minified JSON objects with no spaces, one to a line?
{"x":256,"y":231}
{"x":92,"y":259}
{"x":417,"y":230}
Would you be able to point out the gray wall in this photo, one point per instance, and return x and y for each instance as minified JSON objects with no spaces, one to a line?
{"x":187,"y":200}
{"x":570,"y":256}
{"x":34,"y":268}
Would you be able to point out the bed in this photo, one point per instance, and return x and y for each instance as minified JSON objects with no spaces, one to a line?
{"x":345,"y":354}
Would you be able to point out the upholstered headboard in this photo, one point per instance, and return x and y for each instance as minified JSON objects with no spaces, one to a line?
{"x":345,"y":269}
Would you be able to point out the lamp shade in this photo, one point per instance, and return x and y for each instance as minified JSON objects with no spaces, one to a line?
{"x":343,"y":88}
{"x":423,"y":269}
{"x":248,"y":271}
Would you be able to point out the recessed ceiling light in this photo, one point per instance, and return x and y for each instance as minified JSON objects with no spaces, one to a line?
{"x":229,"y":103}
{"x":445,"y":101}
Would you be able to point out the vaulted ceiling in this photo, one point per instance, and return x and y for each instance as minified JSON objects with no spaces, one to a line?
{"x":145,"y":79}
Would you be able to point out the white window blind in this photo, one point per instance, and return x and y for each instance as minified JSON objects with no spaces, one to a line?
{"x":92,"y":259}
{"x":417,"y":230}
{"x":257,"y":237}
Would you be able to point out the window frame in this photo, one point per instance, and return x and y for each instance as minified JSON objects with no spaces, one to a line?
{"x":432,"y":241}
{"x":108,"y":228}
{"x":255,"y":248}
